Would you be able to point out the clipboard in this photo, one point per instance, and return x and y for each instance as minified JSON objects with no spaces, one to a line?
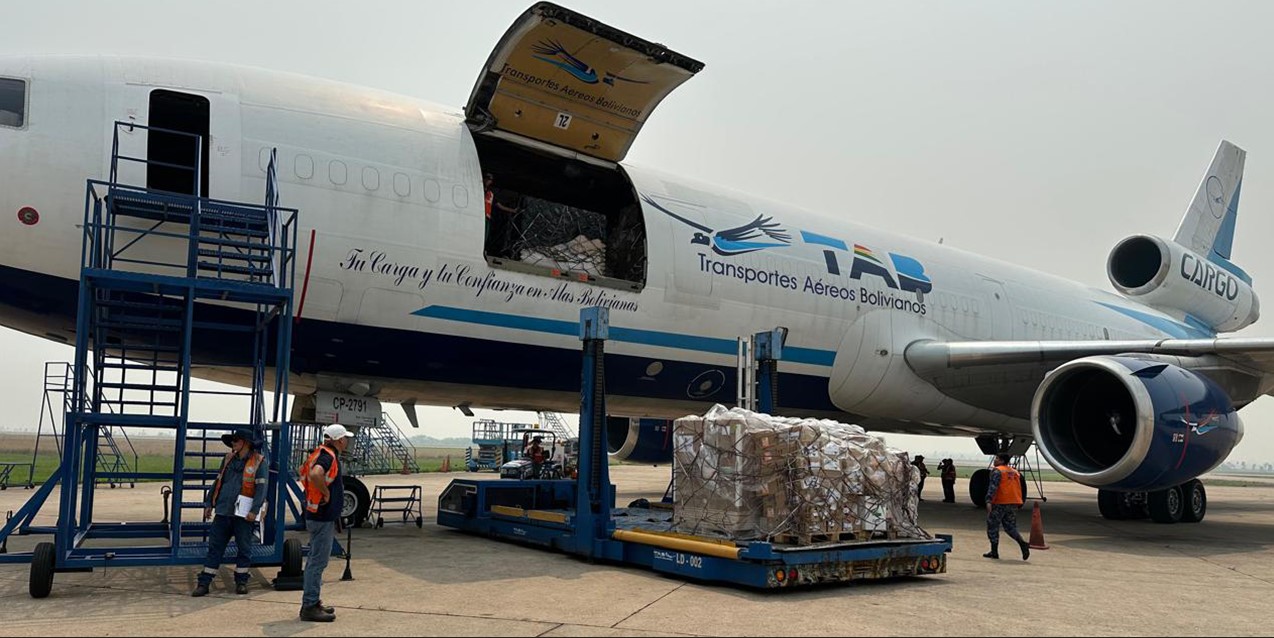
{"x":242,"y":506}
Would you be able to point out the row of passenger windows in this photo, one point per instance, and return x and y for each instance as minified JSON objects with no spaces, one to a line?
{"x":13,"y":102}
{"x":338,"y":173}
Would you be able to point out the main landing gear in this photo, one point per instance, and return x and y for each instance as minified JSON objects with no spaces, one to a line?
{"x":1185,"y":503}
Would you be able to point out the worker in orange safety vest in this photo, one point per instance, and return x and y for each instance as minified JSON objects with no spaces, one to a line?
{"x":324,"y":497}
{"x":234,"y":505}
{"x":1003,"y":499}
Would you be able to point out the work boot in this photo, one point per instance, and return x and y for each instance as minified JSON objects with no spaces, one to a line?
{"x":1026,"y":549}
{"x":241,"y":588}
{"x":991,"y":555}
{"x":326,"y":608}
{"x":315,"y":613}
{"x":200,"y":590}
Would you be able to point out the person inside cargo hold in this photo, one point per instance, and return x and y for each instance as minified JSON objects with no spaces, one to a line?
{"x":502,"y":207}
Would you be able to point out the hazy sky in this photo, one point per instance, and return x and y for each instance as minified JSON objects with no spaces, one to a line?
{"x":1038,"y":133}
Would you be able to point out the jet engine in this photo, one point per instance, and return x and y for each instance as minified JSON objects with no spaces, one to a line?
{"x":1131,"y":424}
{"x":639,"y":440}
{"x":1166,"y":275}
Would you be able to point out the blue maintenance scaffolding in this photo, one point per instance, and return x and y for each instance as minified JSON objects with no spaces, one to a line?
{"x":168,"y":281}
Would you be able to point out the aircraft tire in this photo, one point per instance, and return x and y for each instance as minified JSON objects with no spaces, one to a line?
{"x":978,"y":483}
{"x":1166,"y":506}
{"x":1111,"y":506}
{"x":357,"y":501}
{"x":1195,"y":499}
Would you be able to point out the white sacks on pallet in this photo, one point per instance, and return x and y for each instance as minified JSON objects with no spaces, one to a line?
{"x":745,"y":475}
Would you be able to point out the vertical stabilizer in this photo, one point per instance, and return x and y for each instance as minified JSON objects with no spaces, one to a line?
{"x":1208,"y":225}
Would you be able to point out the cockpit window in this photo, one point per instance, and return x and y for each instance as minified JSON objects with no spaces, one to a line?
{"x":13,"y":102}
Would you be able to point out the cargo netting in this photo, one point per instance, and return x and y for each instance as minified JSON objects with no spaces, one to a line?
{"x":744,"y":475}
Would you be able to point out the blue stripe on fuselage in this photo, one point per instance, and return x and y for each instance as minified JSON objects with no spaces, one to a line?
{"x":1162,"y":324}
{"x":628,"y":335}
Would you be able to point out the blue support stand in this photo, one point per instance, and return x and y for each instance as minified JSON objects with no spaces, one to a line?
{"x":167,"y":281}
{"x":593,"y":497}
{"x":768,"y":353}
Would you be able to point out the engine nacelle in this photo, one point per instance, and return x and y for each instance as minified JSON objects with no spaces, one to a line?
{"x":639,"y":440}
{"x":1129,"y":424}
{"x":1166,"y":275}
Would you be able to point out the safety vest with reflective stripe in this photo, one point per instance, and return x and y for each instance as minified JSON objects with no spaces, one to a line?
{"x":536,"y":453}
{"x":1009,"y":491}
{"x":249,"y":487}
{"x":314,"y":497}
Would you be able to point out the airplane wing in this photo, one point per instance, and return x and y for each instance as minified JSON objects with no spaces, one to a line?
{"x":1002,"y":375}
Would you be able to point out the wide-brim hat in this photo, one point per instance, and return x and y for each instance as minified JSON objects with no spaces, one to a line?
{"x":229,"y":437}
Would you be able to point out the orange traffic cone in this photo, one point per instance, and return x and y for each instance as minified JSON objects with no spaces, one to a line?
{"x":446,"y":465}
{"x":1037,"y":529}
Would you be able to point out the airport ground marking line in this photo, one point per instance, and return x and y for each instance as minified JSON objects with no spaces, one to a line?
{"x":647,"y":605}
{"x":1219,"y":565}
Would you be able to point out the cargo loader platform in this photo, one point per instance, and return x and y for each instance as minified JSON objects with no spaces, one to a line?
{"x":579,"y":517}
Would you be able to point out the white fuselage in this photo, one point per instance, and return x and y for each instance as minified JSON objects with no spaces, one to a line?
{"x":391,"y":240}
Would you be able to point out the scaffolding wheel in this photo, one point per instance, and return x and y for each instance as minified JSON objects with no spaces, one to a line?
{"x":420,"y":522}
{"x":380,"y":522}
{"x":42,"y":564}
{"x":291,"y":557}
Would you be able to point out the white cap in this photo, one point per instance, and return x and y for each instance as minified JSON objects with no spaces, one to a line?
{"x":336,"y":431}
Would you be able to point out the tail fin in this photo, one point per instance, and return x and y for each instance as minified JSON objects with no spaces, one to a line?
{"x":1208,"y":225}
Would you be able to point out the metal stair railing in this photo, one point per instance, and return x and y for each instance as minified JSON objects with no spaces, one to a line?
{"x":137,"y":320}
{"x":399,"y":446}
{"x":556,"y":425}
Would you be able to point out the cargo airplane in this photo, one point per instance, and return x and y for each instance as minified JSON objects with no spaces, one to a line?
{"x":407,"y":293}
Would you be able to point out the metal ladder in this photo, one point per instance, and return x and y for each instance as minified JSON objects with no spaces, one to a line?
{"x":168,"y":281}
{"x":397,"y":446}
{"x":54,"y":404}
{"x":111,"y":458}
{"x":554,"y":423}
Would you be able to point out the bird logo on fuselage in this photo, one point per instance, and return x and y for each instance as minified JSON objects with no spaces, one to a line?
{"x":747,"y":238}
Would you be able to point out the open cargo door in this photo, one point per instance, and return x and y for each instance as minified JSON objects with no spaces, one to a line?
{"x":566,"y":80}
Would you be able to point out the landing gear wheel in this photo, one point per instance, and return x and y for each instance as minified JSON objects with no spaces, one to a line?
{"x":291,"y":557}
{"x":1166,"y":506}
{"x":978,"y":483}
{"x":357,"y":501}
{"x":42,"y":563}
{"x":1111,"y":505}
{"x":1196,"y":501}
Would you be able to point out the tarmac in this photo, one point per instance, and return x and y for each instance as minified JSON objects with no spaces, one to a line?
{"x":1098,"y":577}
